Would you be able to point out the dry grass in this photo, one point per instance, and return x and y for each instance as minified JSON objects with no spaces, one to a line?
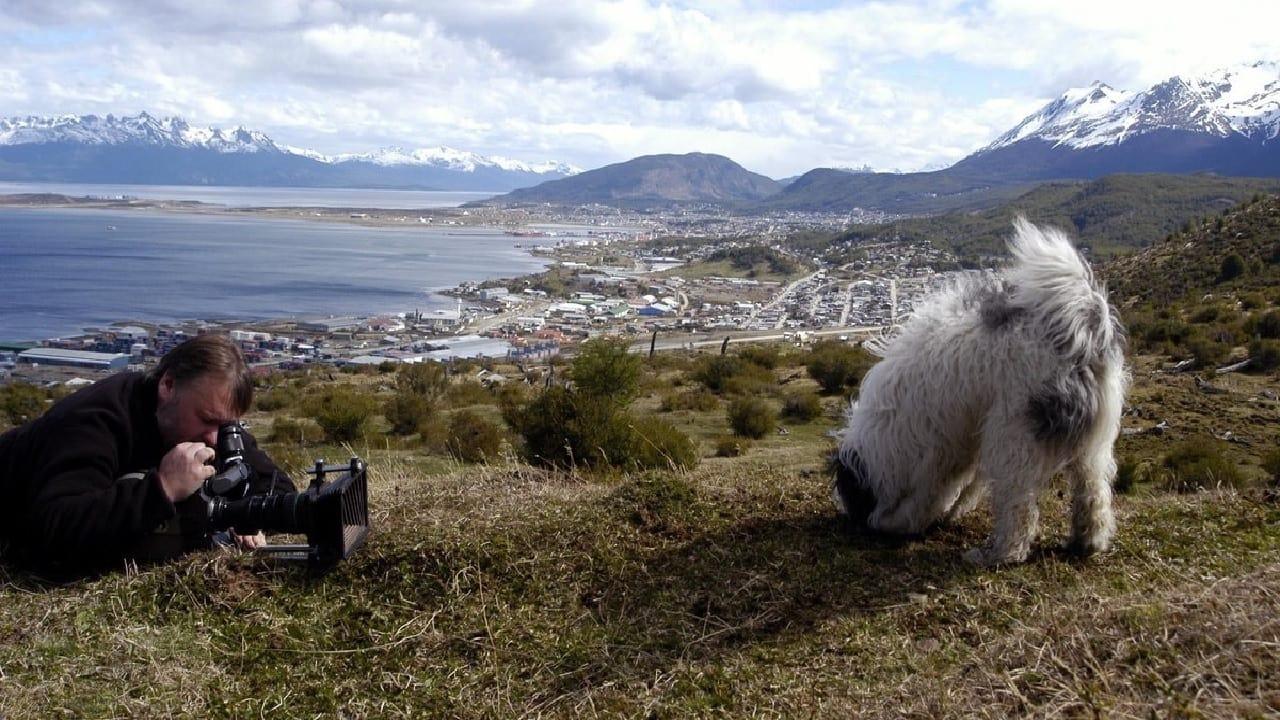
{"x":504,"y":591}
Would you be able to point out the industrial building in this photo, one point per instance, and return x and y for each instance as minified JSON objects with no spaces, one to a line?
{"x":74,"y":358}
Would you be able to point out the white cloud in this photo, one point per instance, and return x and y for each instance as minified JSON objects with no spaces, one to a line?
{"x":895,"y":85}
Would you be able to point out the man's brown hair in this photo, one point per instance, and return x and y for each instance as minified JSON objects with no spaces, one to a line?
{"x":209,"y":355}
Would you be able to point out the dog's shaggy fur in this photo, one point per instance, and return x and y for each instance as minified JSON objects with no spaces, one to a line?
{"x":992,"y":387}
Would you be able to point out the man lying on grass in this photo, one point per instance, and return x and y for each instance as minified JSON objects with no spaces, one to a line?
{"x":111,"y":472}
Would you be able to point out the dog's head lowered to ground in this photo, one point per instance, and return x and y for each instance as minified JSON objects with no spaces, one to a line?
{"x":994,"y":385}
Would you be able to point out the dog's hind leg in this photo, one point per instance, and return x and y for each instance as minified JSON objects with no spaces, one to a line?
{"x":1092,"y":522}
{"x":1017,"y":468}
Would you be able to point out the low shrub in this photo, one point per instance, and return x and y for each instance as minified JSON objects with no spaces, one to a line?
{"x":1265,"y":355}
{"x":836,"y":366}
{"x":293,"y":431}
{"x":765,"y":356}
{"x":698,"y":399}
{"x":714,"y":371}
{"x":732,"y":446}
{"x":473,"y":438}
{"x":467,"y":393}
{"x":801,"y":406}
{"x":659,"y":444}
{"x":342,"y":412}
{"x":1268,"y":325}
{"x":277,"y":398}
{"x":752,"y":417}
{"x":406,"y":411}
{"x":1207,"y":353}
{"x":22,"y":402}
{"x":565,"y":428}
{"x":1199,"y":463}
{"x":1271,"y":464}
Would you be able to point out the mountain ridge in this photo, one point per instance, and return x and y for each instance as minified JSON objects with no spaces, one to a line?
{"x":139,"y":148}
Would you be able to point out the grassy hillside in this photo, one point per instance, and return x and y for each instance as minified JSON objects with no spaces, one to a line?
{"x":1113,"y":215}
{"x":1209,"y":293}
{"x":505,"y":590}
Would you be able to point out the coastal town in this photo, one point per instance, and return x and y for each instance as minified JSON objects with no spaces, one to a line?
{"x":684,"y":279}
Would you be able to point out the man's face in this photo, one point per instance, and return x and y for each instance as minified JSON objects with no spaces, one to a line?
{"x":192,"y":411}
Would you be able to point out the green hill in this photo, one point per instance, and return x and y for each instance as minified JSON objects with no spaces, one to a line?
{"x":652,"y":180}
{"x":1113,"y":215}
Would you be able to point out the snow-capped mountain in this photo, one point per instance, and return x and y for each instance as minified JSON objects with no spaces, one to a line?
{"x":1244,"y":100}
{"x":146,"y":149}
{"x":141,"y":128}
{"x":1227,"y":121}
{"x":447,"y":157}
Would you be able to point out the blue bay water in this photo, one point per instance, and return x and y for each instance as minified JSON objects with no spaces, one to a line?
{"x":259,"y":196}
{"x":65,"y":269}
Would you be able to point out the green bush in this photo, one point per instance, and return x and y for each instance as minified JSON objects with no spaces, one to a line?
{"x":658,"y":444}
{"x":1253,"y":301}
{"x":433,"y":435}
{"x":604,"y":368}
{"x":22,"y":402}
{"x":1265,"y":354}
{"x":277,"y":398}
{"x":1207,"y":353}
{"x":714,"y":371}
{"x":467,"y":393}
{"x":1271,"y":464}
{"x":565,"y":428}
{"x":765,"y":356}
{"x":752,"y":417}
{"x":293,"y":431}
{"x":1268,"y":326}
{"x":732,"y":446}
{"x":1233,"y":266}
{"x":472,"y":438}
{"x":342,"y":412}
{"x":836,"y":366}
{"x":699,"y":399}
{"x":801,"y":406}
{"x":1198,"y":464}
{"x":1129,"y":473}
{"x":406,"y":411}
{"x":427,"y":379}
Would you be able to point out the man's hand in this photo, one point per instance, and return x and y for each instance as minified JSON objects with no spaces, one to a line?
{"x":249,"y":542}
{"x":183,"y":469}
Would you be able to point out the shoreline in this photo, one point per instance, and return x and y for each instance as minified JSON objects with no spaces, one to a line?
{"x":441,"y":221}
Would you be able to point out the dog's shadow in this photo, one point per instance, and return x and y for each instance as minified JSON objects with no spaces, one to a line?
{"x":768,"y":580}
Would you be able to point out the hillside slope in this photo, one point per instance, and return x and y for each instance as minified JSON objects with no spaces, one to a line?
{"x":653,"y":180}
{"x":1113,"y":215}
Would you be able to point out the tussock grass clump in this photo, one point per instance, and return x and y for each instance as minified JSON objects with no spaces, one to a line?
{"x":697,"y":399}
{"x":1197,"y":464}
{"x":294,"y":431}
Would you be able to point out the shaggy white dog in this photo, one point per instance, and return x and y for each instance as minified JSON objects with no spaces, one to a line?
{"x":993,"y":386}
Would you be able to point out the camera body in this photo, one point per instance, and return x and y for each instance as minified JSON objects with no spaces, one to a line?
{"x":334,"y":515}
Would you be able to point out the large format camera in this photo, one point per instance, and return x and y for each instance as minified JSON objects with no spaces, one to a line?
{"x":333,"y":515}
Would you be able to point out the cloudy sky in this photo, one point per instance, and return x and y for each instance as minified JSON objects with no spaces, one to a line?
{"x":781,"y":87}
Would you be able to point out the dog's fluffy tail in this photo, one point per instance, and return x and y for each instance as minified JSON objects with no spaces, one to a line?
{"x":1052,"y":281}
